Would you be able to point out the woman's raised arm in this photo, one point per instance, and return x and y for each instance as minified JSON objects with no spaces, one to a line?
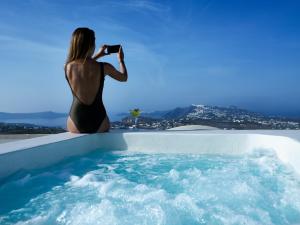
{"x":113,"y":72}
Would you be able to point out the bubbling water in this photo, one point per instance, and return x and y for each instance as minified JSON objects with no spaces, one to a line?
{"x":135,"y":188}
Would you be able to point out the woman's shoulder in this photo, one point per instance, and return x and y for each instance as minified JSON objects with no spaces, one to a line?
{"x":81,"y":63}
{"x":106,"y":64}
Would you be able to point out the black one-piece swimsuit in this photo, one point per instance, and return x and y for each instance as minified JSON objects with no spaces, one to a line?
{"x":88,"y":118}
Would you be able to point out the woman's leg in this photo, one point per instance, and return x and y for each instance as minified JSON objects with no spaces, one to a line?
{"x":71,"y":126}
{"x":105,"y":125}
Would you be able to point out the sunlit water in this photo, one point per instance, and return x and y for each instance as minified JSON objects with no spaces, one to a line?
{"x":133,"y":188}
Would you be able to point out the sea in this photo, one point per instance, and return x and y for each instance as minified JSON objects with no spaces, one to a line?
{"x":56,"y":122}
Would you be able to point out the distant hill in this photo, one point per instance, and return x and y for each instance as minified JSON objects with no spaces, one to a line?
{"x":36,"y":115}
{"x":199,"y":111}
{"x":179,"y":112}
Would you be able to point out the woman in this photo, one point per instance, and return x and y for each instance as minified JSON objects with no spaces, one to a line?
{"x":86,"y":79}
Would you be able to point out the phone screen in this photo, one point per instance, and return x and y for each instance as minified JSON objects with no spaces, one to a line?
{"x":113,"y":49}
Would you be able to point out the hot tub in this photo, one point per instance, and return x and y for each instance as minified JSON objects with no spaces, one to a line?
{"x":168,"y":177}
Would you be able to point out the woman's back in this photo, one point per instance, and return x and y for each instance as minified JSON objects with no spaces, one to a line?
{"x":85,"y":79}
{"x":86,"y":82}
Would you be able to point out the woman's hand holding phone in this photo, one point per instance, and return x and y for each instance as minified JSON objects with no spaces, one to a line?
{"x":107,"y":50}
{"x":101,"y":52}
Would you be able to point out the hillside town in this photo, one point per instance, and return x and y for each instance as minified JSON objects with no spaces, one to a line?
{"x":219,"y":117}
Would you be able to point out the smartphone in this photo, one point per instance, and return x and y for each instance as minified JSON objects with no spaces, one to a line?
{"x":113,"y":49}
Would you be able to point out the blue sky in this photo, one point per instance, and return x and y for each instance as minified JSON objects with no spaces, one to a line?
{"x":215,"y":52}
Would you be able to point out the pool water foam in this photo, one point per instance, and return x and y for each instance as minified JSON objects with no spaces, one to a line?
{"x":135,"y":188}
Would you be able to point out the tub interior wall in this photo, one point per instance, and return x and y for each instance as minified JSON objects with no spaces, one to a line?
{"x":13,"y":157}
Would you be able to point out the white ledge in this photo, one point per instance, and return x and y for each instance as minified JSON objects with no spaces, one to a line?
{"x":37,"y":141}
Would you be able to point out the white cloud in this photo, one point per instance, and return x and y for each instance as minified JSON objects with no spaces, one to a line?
{"x":138,"y":5}
{"x":131,"y":5}
{"x":15,"y":43}
{"x":153,"y":64}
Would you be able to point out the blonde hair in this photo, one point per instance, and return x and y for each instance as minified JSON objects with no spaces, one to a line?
{"x":83,"y":39}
